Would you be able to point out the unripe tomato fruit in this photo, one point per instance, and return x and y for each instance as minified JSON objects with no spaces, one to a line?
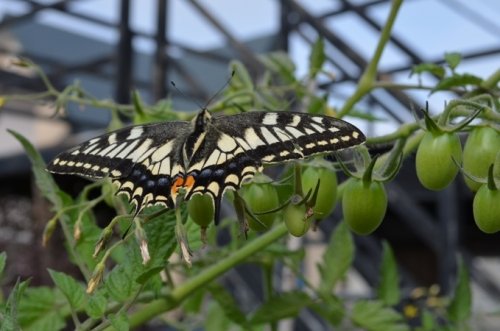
{"x":261,"y":197}
{"x":201,"y":209}
{"x":434,"y":163}
{"x":480,"y":150}
{"x":364,"y":205}
{"x":327,"y":193}
{"x":296,"y":220}
{"x":486,"y":209}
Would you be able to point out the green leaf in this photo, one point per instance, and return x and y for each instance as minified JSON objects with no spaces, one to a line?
{"x":215,"y":319}
{"x":330,"y":308}
{"x":194,"y":302}
{"x":428,"y":322}
{"x":280,"y":62}
{"x":119,"y":321}
{"x":457,"y":80}
{"x":3,"y":260}
{"x":241,"y":76}
{"x":120,"y":283}
{"x":43,"y":178}
{"x":388,"y":288}
{"x":281,"y":306}
{"x":374,"y":316}
{"x":431,"y":68}
{"x":72,"y":290}
{"x":43,"y":309}
{"x":459,"y":309}
{"x":96,"y":306}
{"x":317,"y":57}
{"x":9,"y":313}
{"x":228,"y":304}
{"x":148,"y":274}
{"x":317,"y":105}
{"x":337,"y":258}
{"x":453,"y":59}
{"x":161,"y":237}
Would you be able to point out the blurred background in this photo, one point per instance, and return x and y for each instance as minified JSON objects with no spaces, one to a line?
{"x":114,"y":46}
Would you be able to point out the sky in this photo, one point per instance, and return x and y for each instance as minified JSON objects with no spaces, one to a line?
{"x":431,"y":27}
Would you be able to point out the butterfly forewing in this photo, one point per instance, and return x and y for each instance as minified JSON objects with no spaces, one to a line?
{"x":142,"y":160}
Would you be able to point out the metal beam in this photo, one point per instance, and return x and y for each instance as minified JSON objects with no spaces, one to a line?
{"x":124,"y":56}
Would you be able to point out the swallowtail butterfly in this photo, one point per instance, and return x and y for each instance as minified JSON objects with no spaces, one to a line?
{"x":150,"y":163}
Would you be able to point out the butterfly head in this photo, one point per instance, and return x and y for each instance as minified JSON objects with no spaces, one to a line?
{"x":201,"y":120}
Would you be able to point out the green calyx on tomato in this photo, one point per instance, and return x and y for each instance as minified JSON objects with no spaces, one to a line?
{"x":297,"y":219}
{"x":325,"y":193}
{"x":480,"y":151}
{"x":486,"y":205}
{"x":201,"y":209}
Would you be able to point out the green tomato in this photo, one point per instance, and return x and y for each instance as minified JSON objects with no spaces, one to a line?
{"x":486,"y":209}
{"x":364,"y":205}
{"x":327,"y":193}
{"x":480,"y":150}
{"x":261,"y":198}
{"x":296,"y":219}
{"x":201,"y":209}
{"x":434,"y":163}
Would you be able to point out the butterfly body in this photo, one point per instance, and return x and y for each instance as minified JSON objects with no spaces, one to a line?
{"x":210,"y":154}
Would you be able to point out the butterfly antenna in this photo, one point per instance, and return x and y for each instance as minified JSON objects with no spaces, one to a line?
{"x":220,"y":90}
{"x":184,"y":94}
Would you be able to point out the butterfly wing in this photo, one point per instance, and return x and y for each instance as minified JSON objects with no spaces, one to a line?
{"x":143,"y":160}
{"x":235,"y":147}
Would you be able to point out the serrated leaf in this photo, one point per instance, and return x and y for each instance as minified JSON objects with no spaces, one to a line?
{"x":43,"y":178}
{"x":9,"y":313}
{"x":161,"y":237}
{"x":317,"y":57}
{"x":228,"y":304}
{"x":119,"y":321}
{"x":43,"y":309}
{"x":120,"y":283}
{"x":148,"y":274}
{"x":374,"y":316}
{"x":281,"y":306}
{"x":453,"y":59}
{"x":337,"y":258}
{"x":459,"y":309}
{"x":388,"y":288}
{"x":431,"y":68}
{"x":3,"y":261}
{"x":72,"y":290}
{"x":96,"y":306}
{"x":457,"y":80}
{"x":330,"y":308}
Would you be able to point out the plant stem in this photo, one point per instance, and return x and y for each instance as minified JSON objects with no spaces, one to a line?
{"x":366,"y":82}
{"x":177,"y":295}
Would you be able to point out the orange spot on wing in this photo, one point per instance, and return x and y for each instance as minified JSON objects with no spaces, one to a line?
{"x":189,"y":182}
{"x":178,"y":183}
